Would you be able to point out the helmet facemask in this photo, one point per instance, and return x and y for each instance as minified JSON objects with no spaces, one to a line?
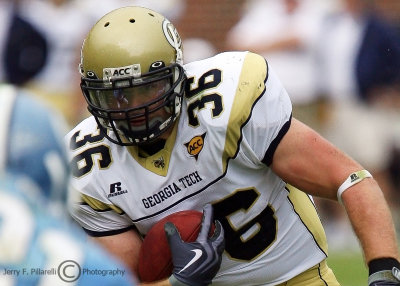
{"x":137,"y":110}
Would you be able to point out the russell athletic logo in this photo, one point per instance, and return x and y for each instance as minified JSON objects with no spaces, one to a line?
{"x":195,"y":145}
{"x":354,"y":177}
{"x":116,"y":190}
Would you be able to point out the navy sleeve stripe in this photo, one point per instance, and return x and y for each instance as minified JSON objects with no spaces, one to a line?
{"x":107,"y":233}
{"x":267,"y":160}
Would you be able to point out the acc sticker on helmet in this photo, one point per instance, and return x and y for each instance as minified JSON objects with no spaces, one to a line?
{"x":195,"y":145}
{"x":121,"y":72}
{"x":173,"y":38}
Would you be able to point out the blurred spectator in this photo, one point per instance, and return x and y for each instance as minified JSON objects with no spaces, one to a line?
{"x":95,"y":9}
{"x":23,"y":49}
{"x":285,"y":33}
{"x":35,"y":234}
{"x":378,"y":60}
{"x":64,"y":26}
{"x":197,"y":49}
{"x":358,"y":74}
{"x":358,"y":68}
{"x":209,"y":22}
{"x":30,"y":143}
{"x":389,"y":10}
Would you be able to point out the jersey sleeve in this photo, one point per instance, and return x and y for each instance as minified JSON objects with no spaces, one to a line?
{"x":271,"y":111}
{"x":88,"y":202}
{"x":96,"y":216}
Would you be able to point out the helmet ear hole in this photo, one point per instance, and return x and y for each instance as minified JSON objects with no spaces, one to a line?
{"x":157,"y":65}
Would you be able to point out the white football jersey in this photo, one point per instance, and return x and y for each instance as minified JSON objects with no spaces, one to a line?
{"x":234,"y":114}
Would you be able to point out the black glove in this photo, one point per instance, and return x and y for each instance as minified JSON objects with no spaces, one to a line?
{"x":196,"y":263}
{"x":385,"y":278}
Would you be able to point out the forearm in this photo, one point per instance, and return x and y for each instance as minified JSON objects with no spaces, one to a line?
{"x":124,"y":246}
{"x":371,"y":219}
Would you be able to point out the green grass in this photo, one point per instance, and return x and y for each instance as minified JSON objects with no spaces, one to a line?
{"x":349,"y":268}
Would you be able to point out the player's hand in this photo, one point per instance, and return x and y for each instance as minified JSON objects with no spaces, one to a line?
{"x":385,"y":278}
{"x":196,"y":263}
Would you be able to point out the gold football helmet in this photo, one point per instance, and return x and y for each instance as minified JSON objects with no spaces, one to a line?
{"x":132,"y":75}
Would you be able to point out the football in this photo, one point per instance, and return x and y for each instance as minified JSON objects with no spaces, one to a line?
{"x":155,"y":261}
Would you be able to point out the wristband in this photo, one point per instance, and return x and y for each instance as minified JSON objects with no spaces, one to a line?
{"x":385,"y":263}
{"x":351,"y":180}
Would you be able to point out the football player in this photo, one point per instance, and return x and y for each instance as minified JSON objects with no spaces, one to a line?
{"x":166,"y":137}
{"x":37,"y":245}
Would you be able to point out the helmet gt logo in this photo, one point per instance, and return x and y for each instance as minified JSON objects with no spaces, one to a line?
{"x":173,"y":38}
{"x":195,"y":145}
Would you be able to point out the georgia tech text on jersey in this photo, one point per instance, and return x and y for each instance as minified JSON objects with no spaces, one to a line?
{"x":173,"y":188}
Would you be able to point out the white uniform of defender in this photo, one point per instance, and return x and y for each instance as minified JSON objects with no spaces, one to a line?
{"x":235,"y":111}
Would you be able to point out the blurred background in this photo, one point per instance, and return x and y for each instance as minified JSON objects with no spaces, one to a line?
{"x":338,"y":59}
